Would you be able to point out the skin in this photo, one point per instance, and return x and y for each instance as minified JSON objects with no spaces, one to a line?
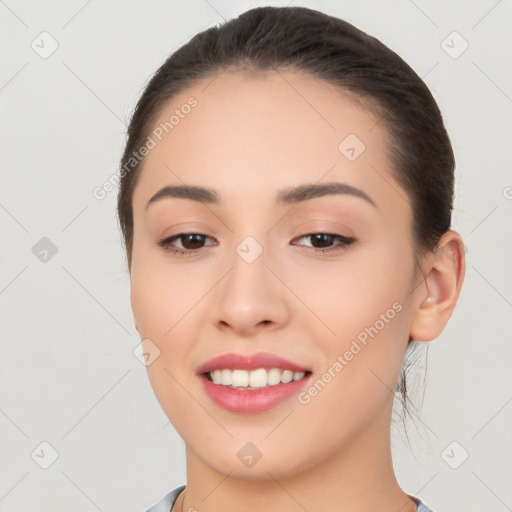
{"x":248,"y":138}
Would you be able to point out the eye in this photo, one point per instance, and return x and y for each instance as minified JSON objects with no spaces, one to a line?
{"x":191,"y":243}
{"x":322,"y":242}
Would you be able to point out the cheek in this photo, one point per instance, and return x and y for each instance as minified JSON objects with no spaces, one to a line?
{"x":364,"y":303}
{"x":170,"y":306}
{"x":160,"y":303}
{"x":161,"y":294}
{"x":350,"y":295}
{"x":147,"y":304}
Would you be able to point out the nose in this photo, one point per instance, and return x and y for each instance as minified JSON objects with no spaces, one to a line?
{"x":250,"y":299}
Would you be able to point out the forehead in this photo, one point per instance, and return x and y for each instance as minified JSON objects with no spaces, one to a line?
{"x":248,"y":133}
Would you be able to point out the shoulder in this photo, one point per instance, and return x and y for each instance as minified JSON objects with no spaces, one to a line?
{"x":422,"y":507}
{"x":166,"y":503}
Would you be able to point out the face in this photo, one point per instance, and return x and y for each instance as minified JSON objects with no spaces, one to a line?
{"x":323,"y":280}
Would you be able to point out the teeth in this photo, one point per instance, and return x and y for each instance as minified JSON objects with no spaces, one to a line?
{"x":255,"y":378}
{"x":239,"y":379}
{"x":287,"y":376}
{"x":273,"y":376}
{"x":225,"y":376}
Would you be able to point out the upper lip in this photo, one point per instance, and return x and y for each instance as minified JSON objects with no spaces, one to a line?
{"x":234,"y":361}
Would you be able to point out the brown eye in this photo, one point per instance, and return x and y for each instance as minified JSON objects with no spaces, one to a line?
{"x":189,"y":243}
{"x":323,"y":242}
{"x":192,"y":241}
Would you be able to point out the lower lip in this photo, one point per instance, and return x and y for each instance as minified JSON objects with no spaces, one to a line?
{"x":252,"y":400}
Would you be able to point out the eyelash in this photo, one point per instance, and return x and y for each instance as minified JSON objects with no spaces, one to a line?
{"x":344,"y":242}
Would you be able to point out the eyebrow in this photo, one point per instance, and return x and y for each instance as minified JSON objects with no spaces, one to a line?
{"x":291,"y":195}
{"x":301,"y":193}
{"x":201,"y":194}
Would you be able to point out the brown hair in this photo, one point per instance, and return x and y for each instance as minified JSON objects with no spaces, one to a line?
{"x":330,"y":49}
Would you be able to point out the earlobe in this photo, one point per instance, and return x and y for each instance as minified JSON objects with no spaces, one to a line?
{"x":443,"y":276}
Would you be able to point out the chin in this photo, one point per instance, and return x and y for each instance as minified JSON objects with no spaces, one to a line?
{"x":252,"y":461}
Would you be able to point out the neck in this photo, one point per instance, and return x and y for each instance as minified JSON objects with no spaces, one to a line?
{"x":357,"y":478}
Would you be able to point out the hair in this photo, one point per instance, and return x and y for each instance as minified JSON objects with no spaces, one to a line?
{"x":334,"y":51}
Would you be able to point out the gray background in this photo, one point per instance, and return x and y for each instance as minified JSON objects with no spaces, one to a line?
{"x":68,"y":373}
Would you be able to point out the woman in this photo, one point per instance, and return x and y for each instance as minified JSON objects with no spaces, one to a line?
{"x":285,"y":202}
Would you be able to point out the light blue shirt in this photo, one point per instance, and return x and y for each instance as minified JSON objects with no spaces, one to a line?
{"x":166,"y":503}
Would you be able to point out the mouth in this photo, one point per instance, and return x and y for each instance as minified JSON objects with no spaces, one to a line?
{"x":259,"y":378}
{"x":243,"y":392}
{"x":252,"y":383}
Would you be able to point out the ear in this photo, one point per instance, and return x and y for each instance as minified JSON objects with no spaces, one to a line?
{"x":443,"y":273}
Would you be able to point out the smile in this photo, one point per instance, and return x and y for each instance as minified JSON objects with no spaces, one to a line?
{"x":254,"y":379}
